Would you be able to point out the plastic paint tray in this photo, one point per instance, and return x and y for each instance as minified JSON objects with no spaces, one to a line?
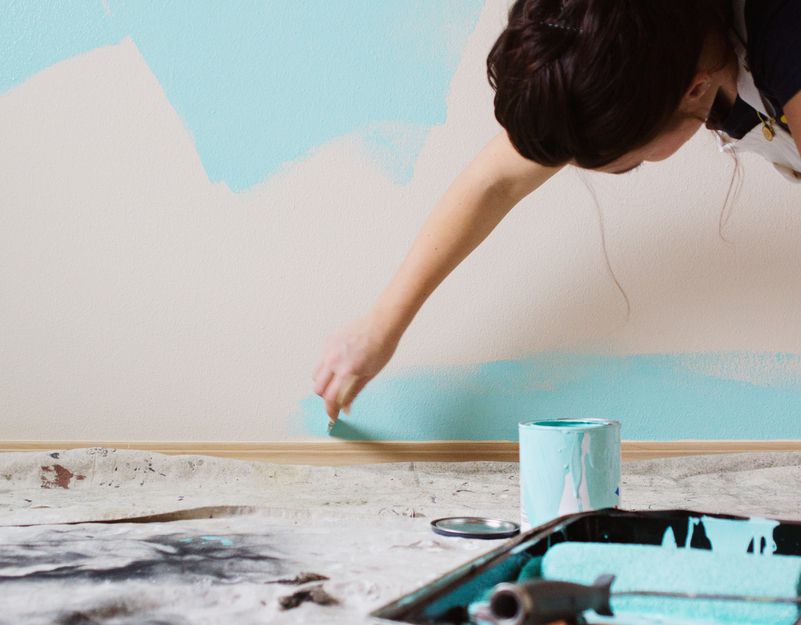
{"x":445,"y":600}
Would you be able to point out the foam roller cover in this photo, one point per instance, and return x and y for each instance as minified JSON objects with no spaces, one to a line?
{"x":642,"y":567}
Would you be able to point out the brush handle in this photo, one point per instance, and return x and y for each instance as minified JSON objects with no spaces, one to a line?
{"x":542,"y":601}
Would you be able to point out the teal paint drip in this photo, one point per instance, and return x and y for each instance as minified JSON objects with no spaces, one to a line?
{"x":258,"y":83}
{"x":729,"y":535}
{"x":737,"y":536}
{"x":738,"y":395}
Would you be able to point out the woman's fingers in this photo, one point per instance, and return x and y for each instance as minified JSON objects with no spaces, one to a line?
{"x":322,"y":379}
{"x":345,"y":388}
{"x":348,"y":398}
{"x":338,"y":390}
{"x":331,"y":396}
{"x":349,"y":361}
{"x":332,"y":409}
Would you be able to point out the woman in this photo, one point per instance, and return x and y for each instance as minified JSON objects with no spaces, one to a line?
{"x":603,"y":85}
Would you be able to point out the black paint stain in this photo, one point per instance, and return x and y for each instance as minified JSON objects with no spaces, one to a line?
{"x":300,"y":578}
{"x":230,"y":559}
{"x":95,"y":616}
{"x":89,"y":617}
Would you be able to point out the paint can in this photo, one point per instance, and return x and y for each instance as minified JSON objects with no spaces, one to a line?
{"x":567,"y":466}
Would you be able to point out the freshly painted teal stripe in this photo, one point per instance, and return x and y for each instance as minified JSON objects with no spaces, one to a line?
{"x":259,"y":83}
{"x":655,"y":396}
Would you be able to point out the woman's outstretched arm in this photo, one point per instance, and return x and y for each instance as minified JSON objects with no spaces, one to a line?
{"x":479,"y":198}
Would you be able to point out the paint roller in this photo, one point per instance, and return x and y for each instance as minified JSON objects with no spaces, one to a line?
{"x":616,"y":580}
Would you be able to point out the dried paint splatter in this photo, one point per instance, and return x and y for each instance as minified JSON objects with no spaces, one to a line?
{"x":315,"y":594}
{"x":56,"y":476}
{"x":301,"y":578}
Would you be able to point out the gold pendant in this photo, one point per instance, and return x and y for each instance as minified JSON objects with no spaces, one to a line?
{"x":768,"y":132}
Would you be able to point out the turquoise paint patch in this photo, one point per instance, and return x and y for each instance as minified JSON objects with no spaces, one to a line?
{"x":654,"y":396}
{"x":225,"y":542}
{"x":35,"y":34}
{"x":261,"y":83}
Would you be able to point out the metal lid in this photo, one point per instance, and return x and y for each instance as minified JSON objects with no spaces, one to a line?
{"x":474,"y":527}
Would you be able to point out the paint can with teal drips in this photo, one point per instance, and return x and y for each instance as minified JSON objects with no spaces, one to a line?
{"x":567,"y":466}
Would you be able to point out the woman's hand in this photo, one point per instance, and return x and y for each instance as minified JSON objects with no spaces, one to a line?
{"x":352,"y":358}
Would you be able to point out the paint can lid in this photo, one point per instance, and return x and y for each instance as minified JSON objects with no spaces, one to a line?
{"x":474,"y":527}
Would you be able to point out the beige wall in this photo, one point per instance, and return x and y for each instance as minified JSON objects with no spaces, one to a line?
{"x":139,"y":301}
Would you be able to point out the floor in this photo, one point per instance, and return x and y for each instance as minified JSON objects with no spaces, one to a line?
{"x":121,"y":537}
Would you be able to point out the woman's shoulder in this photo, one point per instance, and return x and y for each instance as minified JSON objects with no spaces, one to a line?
{"x":774,"y":47}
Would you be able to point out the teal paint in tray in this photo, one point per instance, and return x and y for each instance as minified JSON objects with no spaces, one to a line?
{"x":649,"y":567}
{"x":567,"y":466}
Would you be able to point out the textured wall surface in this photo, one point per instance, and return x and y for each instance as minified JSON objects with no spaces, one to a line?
{"x":193,"y":196}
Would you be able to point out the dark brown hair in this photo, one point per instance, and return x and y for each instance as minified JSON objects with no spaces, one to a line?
{"x":590,"y":80}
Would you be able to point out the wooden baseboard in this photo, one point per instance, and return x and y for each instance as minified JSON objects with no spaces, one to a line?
{"x":648,"y":450}
{"x":362,"y":452}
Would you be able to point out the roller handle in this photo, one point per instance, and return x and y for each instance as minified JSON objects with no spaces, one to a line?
{"x":543,"y":601}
